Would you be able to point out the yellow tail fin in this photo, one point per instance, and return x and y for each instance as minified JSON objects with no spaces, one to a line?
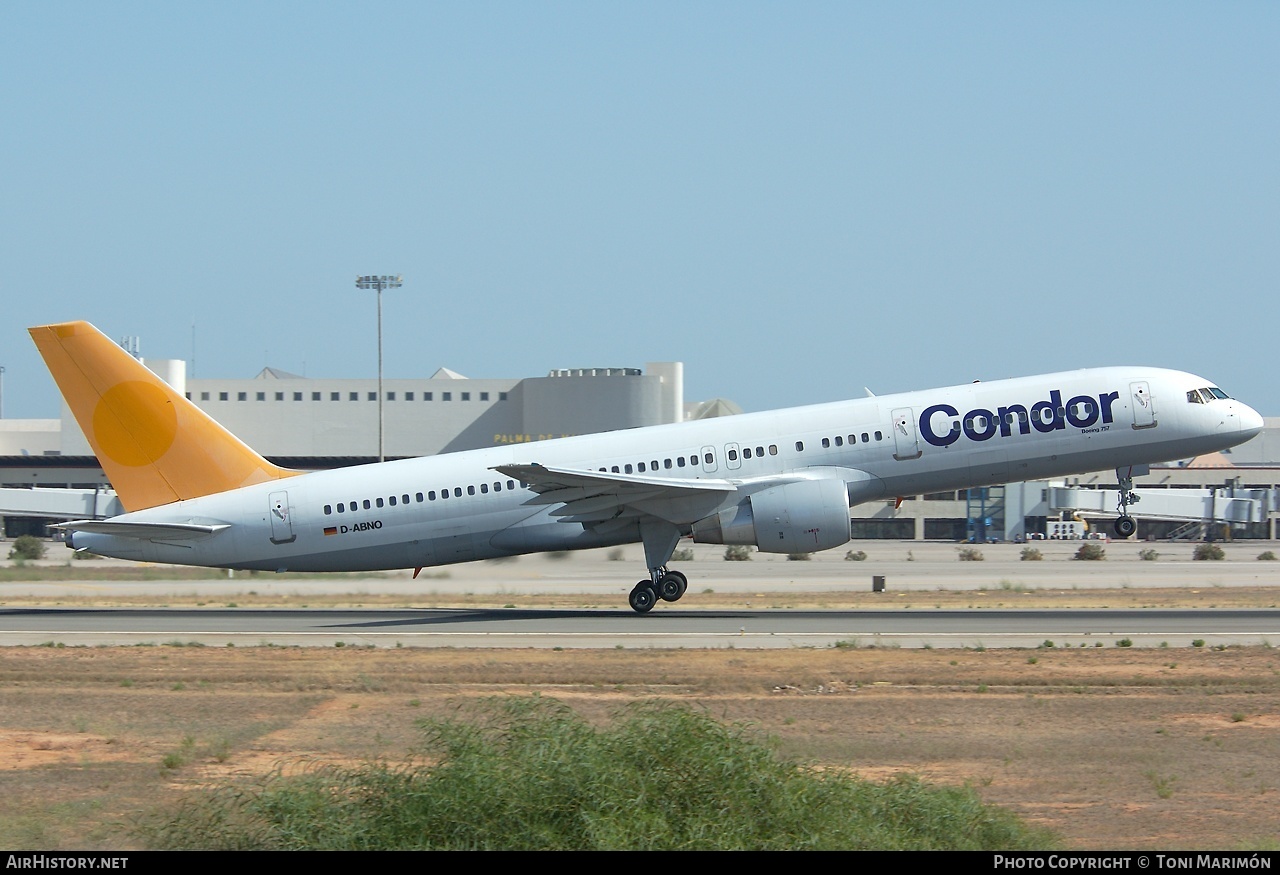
{"x":155,"y":446}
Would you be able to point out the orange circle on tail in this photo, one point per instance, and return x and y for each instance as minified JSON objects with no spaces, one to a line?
{"x":134,"y":423}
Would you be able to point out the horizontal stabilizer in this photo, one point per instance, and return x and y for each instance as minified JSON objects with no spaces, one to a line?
{"x":144,"y":531}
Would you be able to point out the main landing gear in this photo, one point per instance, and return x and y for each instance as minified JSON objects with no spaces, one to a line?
{"x":1125,"y":525}
{"x":665,"y":584}
{"x":659,"y":538}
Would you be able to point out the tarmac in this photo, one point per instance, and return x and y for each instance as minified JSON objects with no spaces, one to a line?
{"x":900,"y":566}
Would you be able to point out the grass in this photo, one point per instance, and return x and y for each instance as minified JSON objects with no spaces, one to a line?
{"x":531,"y":774}
{"x":82,"y":755}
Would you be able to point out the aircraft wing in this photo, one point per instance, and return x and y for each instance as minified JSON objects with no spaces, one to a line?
{"x":601,"y":499}
{"x":144,"y":531}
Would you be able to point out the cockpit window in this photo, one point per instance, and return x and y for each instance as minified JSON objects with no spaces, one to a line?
{"x":1205,"y":395}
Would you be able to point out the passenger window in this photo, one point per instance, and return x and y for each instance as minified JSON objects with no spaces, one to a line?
{"x":879,"y":436}
{"x":404,"y":499}
{"x":839,"y":441}
{"x":341,"y":507}
{"x":826,"y":443}
{"x":418,"y":496}
{"x":457,"y":492}
{"x":666,"y":463}
{"x":640,"y":467}
{"x":746,"y":453}
{"x":379,"y":502}
{"x":679,"y":461}
{"x":709,"y":458}
{"x":865,"y":437}
{"x":484,"y":488}
{"x":328,"y":509}
{"x":444,"y":493}
{"x":471,"y":490}
{"x":799,"y":446}
{"x":431,"y":496}
{"x":627,"y":468}
{"x":773,"y":449}
{"x":392,"y":501}
{"x":366,"y":504}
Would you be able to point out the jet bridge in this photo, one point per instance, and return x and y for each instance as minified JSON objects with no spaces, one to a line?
{"x":58,"y":503}
{"x":1223,"y":504}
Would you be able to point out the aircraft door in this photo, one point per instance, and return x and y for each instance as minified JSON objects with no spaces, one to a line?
{"x":906,"y":443}
{"x":1144,"y":406}
{"x":709,"y":460}
{"x":732,"y":459}
{"x":281,"y":518}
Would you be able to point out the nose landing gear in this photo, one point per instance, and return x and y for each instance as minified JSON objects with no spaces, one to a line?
{"x":1125,"y":525}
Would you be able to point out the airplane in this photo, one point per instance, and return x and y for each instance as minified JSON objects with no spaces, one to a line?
{"x":782,"y":481}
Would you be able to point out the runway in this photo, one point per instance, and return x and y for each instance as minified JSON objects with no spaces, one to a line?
{"x":81,"y":612}
{"x":621,"y":628}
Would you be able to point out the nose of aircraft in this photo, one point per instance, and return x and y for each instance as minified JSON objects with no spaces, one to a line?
{"x":1250,"y":421}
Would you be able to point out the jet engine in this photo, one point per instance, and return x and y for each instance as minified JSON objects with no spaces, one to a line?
{"x":804,"y":516}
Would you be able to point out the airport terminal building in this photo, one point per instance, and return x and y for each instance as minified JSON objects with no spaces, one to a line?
{"x":306,"y":423}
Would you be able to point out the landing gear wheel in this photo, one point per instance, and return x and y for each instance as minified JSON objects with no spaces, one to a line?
{"x":1125,"y":526}
{"x":684,"y":581}
{"x":672,"y":586}
{"x":643,"y":597}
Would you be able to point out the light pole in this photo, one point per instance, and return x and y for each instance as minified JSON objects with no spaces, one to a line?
{"x":379,"y":283}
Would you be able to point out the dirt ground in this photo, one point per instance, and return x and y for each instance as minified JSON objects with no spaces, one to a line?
{"x":1112,"y":748}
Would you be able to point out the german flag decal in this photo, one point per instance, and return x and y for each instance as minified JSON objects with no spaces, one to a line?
{"x":330,"y":530}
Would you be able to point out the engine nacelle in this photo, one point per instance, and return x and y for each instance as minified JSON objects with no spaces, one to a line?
{"x":801,"y":517}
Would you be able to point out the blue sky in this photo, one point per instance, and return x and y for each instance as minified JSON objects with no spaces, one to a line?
{"x":796,"y":200}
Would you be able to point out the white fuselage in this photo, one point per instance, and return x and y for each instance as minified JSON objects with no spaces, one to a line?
{"x":396,"y":515}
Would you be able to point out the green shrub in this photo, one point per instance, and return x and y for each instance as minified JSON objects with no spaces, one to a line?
{"x":855,"y":556}
{"x":684,"y":554}
{"x":970,"y":554}
{"x":737,"y":553}
{"x":531,"y":774}
{"x":1208,"y":551}
{"x":27,"y":547}
{"x":1031,"y":554}
{"x":1267,"y":556}
{"x":1091,"y":552}
{"x":799,"y":557}
{"x":1148,"y":555}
